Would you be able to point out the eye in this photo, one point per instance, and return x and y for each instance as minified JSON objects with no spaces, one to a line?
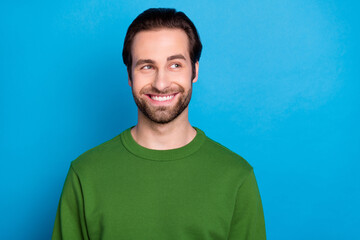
{"x":146,"y":67}
{"x":175,"y":65}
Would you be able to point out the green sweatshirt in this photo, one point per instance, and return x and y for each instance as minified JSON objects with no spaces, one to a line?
{"x":121,"y":190}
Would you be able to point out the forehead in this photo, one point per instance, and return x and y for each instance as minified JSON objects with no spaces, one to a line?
{"x":159,"y":43}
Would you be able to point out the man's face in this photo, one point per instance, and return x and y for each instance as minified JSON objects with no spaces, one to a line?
{"x":161,"y":73}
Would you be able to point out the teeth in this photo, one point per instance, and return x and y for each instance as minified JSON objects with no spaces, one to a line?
{"x":157,"y":98}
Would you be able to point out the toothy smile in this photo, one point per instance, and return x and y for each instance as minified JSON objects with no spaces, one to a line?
{"x":161,"y":98}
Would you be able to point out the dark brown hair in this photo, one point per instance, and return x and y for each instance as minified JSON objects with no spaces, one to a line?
{"x":155,"y":18}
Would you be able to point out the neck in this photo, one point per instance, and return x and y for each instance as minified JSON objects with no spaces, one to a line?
{"x":174,"y":134}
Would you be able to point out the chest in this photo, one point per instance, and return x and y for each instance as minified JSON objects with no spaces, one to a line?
{"x":160,"y":205}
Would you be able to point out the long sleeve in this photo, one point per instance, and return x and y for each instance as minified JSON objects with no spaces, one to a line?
{"x":70,"y":217}
{"x":248,"y":219}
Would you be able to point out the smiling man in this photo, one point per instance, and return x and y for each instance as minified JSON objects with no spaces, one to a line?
{"x":162,"y":178}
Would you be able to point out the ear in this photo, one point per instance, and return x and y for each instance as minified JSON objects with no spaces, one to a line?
{"x":196,"y":72}
{"x":129,"y":81}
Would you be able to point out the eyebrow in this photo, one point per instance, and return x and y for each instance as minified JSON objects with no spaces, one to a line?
{"x":177,"y":56}
{"x":143,"y":61}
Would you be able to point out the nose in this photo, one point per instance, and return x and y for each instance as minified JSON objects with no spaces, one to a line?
{"x":161,"y":80}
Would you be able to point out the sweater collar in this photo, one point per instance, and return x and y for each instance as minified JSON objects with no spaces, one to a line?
{"x":162,"y":155}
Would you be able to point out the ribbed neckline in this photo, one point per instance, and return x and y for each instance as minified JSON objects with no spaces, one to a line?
{"x":162,"y":155}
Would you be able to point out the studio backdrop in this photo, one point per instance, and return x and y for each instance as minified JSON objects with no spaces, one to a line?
{"x":279,"y":84}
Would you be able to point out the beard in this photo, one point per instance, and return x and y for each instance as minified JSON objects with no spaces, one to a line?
{"x":163,"y":114}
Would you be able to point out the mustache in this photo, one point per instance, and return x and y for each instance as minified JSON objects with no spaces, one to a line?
{"x":152,"y":90}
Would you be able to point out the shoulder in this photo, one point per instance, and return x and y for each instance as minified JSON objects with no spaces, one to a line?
{"x":226,"y":157}
{"x":98,"y":156}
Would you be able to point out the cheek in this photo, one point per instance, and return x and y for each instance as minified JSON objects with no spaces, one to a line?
{"x":136,"y":88}
{"x":139,"y":82}
{"x":185,"y":79}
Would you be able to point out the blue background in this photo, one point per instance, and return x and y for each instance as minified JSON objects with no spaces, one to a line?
{"x":279,"y":84}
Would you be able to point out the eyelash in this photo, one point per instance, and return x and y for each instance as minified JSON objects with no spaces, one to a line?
{"x":178,"y":65}
{"x":146,"y":67}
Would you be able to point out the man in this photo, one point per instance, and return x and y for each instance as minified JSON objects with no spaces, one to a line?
{"x":163,"y":178}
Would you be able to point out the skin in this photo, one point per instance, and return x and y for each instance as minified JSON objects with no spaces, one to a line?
{"x":162,"y":67}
